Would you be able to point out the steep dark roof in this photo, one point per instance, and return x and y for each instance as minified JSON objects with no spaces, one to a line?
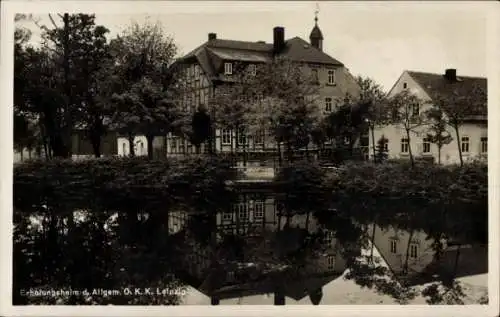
{"x":437,"y":85}
{"x":296,"y":49}
{"x":316,"y":33}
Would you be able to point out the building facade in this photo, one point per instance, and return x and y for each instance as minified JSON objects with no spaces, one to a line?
{"x":215,"y":64}
{"x":473,"y":133}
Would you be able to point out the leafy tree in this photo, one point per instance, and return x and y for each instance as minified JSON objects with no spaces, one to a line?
{"x":202,"y":129}
{"x":289,"y":109}
{"x":232,"y":103}
{"x":371,"y":105}
{"x":381,"y":151}
{"x":458,"y":106}
{"x":344,"y":126}
{"x":437,"y":130}
{"x":143,"y":54}
{"x":55,"y":82}
{"x":144,"y":108}
{"x":404,"y":108}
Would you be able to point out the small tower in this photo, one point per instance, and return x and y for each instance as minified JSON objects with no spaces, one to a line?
{"x":316,"y":36}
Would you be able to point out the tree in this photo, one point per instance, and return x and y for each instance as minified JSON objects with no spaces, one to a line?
{"x":55,"y":82}
{"x":345,"y":126}
{"x":92,"y":91}
{"x":381,"y":150}
{"x":458,"y":106}
{"x":202,"y":129}
{"x":37,"y":99}
{"x":289,"y":107}
{"x":404,"y":108}
{"x":144,"y":108}
{"x":232,"y":103}
{"x":371,"y":105}
{"x":437,"y":130}
{"x":143,"y":55}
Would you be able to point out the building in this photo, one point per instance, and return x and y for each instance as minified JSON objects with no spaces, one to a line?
{"x":427,"y":86}
{"x":212,"y":65}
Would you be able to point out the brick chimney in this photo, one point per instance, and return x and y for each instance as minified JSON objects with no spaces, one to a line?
{"x":451,"y":74}
{"x":212,"y":36}
{"x":278,"y":39}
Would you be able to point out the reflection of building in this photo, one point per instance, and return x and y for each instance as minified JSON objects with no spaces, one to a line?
{"x":211,"y":67}
{"x":427,"y":86}
{"x":393,"y":245}
{"x":215,"y":266}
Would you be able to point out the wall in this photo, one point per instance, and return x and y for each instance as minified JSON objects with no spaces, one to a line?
{"x":396,"y":260}
{"x":449,"y":152}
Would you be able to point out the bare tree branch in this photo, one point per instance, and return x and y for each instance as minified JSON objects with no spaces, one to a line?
{"x":53,"y":22}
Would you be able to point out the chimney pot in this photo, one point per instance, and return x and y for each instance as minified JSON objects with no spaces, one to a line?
{"x":212,"y":36}
{"x":278,"y":39}
{"x":451,"y":74}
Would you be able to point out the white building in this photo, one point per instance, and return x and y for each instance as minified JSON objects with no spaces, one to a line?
{"x":426,"y":86}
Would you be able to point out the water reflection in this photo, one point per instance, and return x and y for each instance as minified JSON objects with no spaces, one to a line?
{"x":258,"y":245}
{"x":253,"y":248}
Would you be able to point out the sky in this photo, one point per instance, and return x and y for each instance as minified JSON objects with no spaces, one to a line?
{"x":373,"y":39}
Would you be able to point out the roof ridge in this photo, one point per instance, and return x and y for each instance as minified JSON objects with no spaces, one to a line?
{"x":439,"y":74}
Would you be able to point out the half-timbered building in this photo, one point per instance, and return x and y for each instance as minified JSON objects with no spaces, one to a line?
{"x":209,"y":68}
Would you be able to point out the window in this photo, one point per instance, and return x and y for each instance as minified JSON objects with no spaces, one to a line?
{"x":315,"y":76}
{"x":393,"y":245}
{"x":366,"y":153}
{"x":426,"y":146}
{"x":386,"y":146}
{"x":252,"y":69}
{"x":259,"y":210}
{"x":465,"y":144}
{"x":257,"y":98}
{"x":331,"y":77}
{"x":227,"y":216}
{"x":405,"y":85}
{"x":140,"y":147}
{"x":173,"y":145}
{"x":259,"y":137}
{"x":226,"y":136}
{"x":182,"y":146}
{"x":328,"y":238}
{"x":404,"y":145}
{"x":242,"y":137}
{"x":328,"y":104}
{"x":242,"y":210}
{"x":484,"y":145}
{"x":413,"y":250}
{"x":228,"y":68}
{"x":364,"y":140}
{"x":415,"y":110}
{"x":196,"y":72}
{"x":331,"y":262}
